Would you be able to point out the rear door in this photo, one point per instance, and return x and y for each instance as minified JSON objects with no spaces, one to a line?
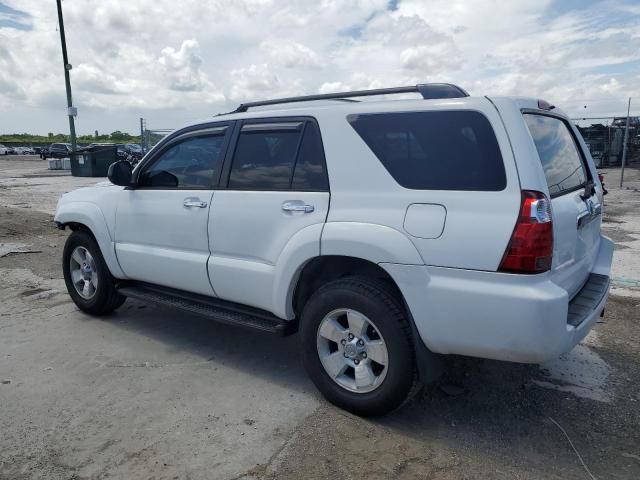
{"x":277,"y":194}
{"x":576,"y":212}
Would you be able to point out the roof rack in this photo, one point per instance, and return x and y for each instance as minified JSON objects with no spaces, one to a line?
{"x":429,"y":91}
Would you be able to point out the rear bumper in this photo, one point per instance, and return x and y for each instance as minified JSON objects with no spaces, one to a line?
{"x":518,"y":318}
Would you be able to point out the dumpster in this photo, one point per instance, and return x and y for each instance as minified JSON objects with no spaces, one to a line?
{"x":93,"y":162}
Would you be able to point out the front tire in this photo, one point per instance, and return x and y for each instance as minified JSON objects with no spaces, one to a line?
{"x":357,"y":346}
{"x":89,"y":282}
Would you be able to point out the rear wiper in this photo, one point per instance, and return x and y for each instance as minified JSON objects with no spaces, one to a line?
{"x":589,"y":190}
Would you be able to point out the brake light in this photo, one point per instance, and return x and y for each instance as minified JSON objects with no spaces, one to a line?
{"x":530,"y":249}
{"x":544,"y":105}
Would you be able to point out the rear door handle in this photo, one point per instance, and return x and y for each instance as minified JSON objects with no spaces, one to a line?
{"x":297,"y":206}
{"x":194,"y":202}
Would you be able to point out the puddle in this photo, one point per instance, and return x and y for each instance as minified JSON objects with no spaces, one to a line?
{"x":581,"y":372}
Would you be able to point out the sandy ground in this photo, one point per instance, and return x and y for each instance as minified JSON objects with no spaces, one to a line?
{"x":151,"y":393}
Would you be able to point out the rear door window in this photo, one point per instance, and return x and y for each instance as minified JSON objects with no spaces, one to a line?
{"x":561,"y":160}
{"x":452,"y":150}
{"x":279,"y":156}
{"x":309,"y":173}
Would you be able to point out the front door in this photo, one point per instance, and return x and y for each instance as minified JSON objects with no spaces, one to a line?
{"x":161,"y":224}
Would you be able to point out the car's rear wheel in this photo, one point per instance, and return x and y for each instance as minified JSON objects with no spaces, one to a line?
{"x":357,"y":346}
{"x":88,"y":280}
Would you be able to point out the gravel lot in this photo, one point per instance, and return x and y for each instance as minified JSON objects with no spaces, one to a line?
{"x":152,"y":393}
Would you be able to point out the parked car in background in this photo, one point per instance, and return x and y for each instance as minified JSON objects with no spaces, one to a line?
{"x":23,"y":151}
{"x":4,"y":150}
{"x":386,"y":231}
{"x":57,"y":150}
{"x":131,"y":152}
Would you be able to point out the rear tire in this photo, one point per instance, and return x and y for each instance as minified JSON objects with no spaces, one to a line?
{"x":369,"y":377}
{"x":89,"y":282}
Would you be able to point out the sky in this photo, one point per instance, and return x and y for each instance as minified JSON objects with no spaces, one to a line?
{"x":174,"y":62}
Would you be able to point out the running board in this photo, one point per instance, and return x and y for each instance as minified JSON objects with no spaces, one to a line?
{"x":216,"y":309}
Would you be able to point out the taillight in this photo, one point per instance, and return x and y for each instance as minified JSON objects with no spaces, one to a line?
{"x":531,"y":246}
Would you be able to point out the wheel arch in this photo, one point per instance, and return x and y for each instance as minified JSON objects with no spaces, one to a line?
{"x":323,"y":269}
{"x":88,"y":217}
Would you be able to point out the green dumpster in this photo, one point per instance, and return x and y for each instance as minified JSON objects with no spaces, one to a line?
{"x":93,"y":162}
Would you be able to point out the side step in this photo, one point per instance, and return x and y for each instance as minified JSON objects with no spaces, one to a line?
{"x":216,"y":309}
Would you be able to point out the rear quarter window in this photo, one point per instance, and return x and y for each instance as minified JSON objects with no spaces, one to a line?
{"x":561,"y":160}
{"x":452,"y":150}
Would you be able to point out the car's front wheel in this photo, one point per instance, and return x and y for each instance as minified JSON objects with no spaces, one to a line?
{"x":88,"y":280}
{"x":357,"y":346}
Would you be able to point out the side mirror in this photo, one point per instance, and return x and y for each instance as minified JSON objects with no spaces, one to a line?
{"x":120,"y":173}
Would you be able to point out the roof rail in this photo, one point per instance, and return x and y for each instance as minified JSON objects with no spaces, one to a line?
{"x":428,"y":91}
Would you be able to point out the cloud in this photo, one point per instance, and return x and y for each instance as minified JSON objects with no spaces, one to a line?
{"x":182,"y":67}
{"x":259,"y":81}
{"x":173,"y":62}
{"x":291,"y":54}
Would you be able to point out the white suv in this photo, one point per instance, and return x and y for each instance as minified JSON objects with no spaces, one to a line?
{"x":387,"y":231}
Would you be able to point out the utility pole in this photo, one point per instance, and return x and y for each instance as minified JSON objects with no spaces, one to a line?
{"x":624,"y":143}
{"x":142,"y":143}
{"x":71,"y":111}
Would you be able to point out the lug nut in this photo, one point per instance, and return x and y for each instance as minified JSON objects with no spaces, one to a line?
{"x":364,"y":354}
{"x":361,"y":342}
{"x":343,"y":341}
{"x":346,"y":356}
{"x":356,"y":361}
{"x":351,"y":336}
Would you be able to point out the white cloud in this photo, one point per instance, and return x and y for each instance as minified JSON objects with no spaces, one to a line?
{"x":183,"y":67}
{"x":291,"y":54}
{"x":172,"y":62}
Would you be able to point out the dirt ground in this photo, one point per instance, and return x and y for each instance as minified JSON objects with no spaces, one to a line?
{"x":150,"y":393}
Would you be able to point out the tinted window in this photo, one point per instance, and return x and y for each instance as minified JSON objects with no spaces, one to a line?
{"x":191,"y":163}
{"x":264,"y":158}
{"x":455,"y":150}
{"x":558,"y":153}
{"x":309,"y":171}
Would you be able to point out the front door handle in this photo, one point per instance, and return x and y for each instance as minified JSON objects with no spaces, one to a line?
{"x":297,"y":206}
{"x":194,"y":202}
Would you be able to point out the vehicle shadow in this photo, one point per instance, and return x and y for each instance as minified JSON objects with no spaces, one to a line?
{"x":258,"y":353}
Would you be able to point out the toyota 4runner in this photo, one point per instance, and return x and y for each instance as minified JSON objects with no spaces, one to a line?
{"x":386,"y":232}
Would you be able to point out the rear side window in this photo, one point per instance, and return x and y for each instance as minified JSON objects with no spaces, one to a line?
{"x":452,"y":150}
{"x":279,"y":156}
{"x":558,"y":152}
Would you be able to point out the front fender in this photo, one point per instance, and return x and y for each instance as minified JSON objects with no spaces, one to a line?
{"x":90,"y":215}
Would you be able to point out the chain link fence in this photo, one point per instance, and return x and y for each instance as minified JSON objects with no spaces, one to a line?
{"x":605,"y":138}
{"x":151,"y":137}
